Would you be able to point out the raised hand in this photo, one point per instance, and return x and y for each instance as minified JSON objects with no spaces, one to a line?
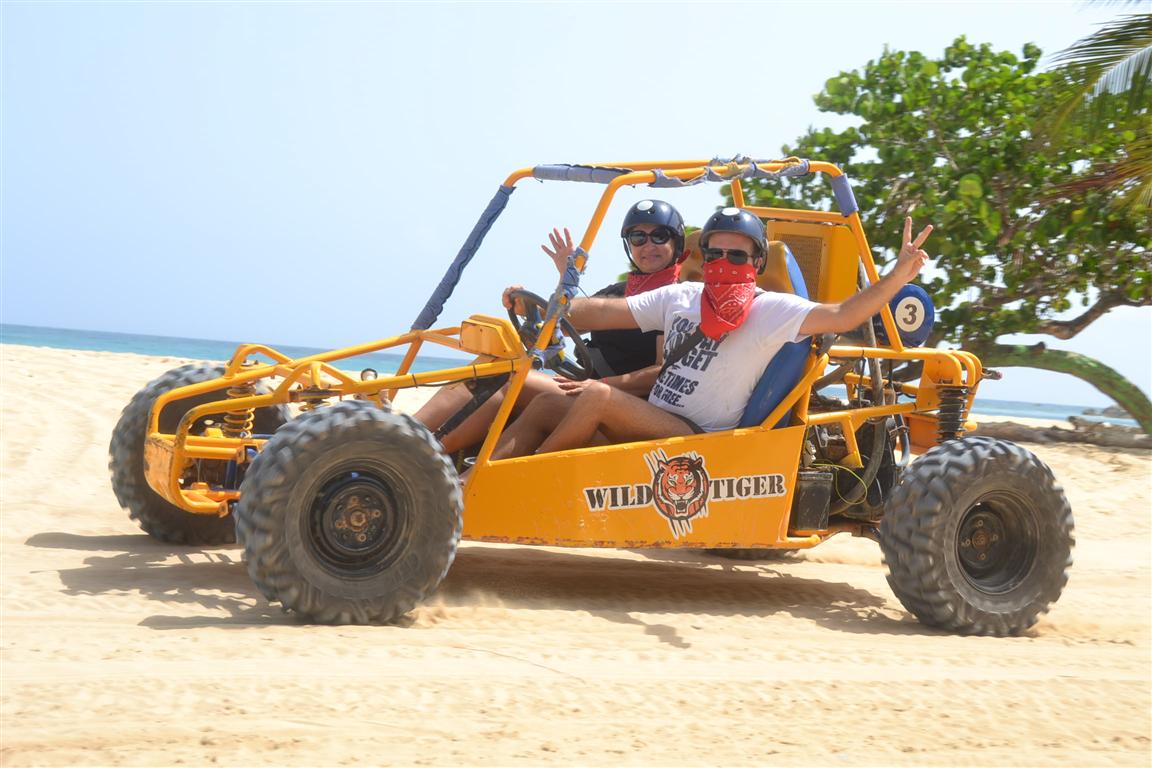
{"x":563,"y":248}
{"x":911,"y":258}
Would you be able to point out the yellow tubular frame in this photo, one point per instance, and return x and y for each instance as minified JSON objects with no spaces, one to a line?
{"x":489,"y":515}
{"x":168,"y":455}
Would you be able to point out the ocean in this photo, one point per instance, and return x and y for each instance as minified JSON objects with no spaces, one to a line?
{"x":385,"y":362}
{"x":197,"y":349}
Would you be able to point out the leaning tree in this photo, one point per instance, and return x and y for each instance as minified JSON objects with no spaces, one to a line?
{"x":954,"y":141}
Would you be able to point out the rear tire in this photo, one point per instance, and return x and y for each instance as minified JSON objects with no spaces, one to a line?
{"x":350,"y":514}
{"x":160,"y":519}
{"x":978,"y":537}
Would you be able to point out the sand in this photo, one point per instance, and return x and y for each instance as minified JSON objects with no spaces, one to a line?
{"x":118,"y":650}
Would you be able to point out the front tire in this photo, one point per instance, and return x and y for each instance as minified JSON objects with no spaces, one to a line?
{"x":978,"y":537}
{"x":350,"y":514}
{"x":160,"y":519}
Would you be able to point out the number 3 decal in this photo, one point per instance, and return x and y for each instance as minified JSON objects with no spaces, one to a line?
{"x":910,"y":315}
{"x":914,"y":315}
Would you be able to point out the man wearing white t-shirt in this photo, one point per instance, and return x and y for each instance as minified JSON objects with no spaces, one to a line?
{"x":707,"y":388}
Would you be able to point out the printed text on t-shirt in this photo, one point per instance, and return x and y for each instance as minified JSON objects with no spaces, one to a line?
{"x":672,"y":385}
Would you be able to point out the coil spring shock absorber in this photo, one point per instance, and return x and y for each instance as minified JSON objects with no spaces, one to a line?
{"x":239,"y":423}
{"x":953,"y":413}
{"x":312,"y":398}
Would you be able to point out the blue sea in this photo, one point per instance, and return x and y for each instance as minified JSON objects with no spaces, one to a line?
{"x":384,"y":362}
{"x":196,"y":349}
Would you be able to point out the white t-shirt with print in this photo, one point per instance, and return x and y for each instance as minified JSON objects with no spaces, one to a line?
{"x":711,"y":384}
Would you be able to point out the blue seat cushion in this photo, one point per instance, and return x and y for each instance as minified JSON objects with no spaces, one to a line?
{"x":784,"y":370}
{"x":779,"y":378}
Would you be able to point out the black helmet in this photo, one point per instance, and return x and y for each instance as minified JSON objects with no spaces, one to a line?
{"x":742,"y":223}
{"x":657,"y":213}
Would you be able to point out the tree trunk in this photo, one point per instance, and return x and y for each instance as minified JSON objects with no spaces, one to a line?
{"x":1108,"y":381}
{"x":1082,"y":431}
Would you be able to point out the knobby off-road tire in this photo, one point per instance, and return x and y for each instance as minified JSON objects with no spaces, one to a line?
{"x":977,"y":537}
{"x":161,"y":520}
{"x":350,"y":514}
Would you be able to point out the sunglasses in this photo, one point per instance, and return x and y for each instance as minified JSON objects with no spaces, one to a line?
{"x":735,"y":256}
{"x":658,"y":237}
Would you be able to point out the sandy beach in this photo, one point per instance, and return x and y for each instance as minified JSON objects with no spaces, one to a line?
{"x":118,"y":650}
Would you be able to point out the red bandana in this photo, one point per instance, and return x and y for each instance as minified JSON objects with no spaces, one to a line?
{"x":639,"y":282}
{"x":727,"y":299}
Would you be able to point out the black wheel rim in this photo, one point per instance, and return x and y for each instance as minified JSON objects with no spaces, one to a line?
{"x":358,"y":523}
{"x":997,"y":542}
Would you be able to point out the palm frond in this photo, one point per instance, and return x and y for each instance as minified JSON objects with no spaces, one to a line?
{"x":1130,"y":179}
{"x":1117,"y":58}
{"x":1136,"y":170}
{"x":1116,"y":2}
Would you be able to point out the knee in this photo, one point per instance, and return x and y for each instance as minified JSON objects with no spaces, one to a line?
{"x":594,"y":399}
{"x":597,"y":391}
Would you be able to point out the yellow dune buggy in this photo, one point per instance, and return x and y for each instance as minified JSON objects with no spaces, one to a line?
{"x":350,"y":512}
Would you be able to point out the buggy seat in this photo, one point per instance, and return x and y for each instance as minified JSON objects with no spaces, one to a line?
{"x":783,"y":372}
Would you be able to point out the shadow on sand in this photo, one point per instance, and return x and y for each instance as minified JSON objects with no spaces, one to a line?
{"x":516,"y":578}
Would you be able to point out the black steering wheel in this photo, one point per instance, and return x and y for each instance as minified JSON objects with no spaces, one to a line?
{"x":535,"y":307}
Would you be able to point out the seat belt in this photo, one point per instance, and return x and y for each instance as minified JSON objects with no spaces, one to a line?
{"x":482,"y":390}
{"x":599,"y":362}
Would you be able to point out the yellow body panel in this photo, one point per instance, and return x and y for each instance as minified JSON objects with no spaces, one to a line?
{"x":617,"y":496}
{"x":158,"y":466}
{"x":493,"y":336}
{"x":639,"y":494}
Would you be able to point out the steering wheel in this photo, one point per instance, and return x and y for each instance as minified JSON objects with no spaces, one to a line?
{"x":579,"y":369}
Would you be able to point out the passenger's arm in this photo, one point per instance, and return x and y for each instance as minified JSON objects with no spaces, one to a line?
{"x":850,"y":313}
{"x":640,"y":382}
{"x":637,"y":383}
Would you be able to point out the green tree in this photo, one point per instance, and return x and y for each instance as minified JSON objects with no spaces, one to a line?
{"x":952,"y":141}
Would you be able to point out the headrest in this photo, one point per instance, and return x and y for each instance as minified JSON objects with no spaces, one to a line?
{"x":692,"y":268}
{"x":781,"y":274}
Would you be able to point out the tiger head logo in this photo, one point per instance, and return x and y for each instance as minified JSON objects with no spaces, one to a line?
{"x":679,"y":489}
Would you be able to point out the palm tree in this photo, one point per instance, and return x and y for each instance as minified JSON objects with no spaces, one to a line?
{"x":1114,"y":60}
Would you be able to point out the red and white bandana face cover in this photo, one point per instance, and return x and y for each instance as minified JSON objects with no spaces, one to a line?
{"x":728,"y":293}
{"x":639,"y":282}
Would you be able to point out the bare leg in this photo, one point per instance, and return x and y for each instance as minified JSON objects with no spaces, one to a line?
{"x":557,"y":423}
{"x":621,"y":417}
{"x":441,"y":405}
{"x":524,"y":435}
{"x":474,"y":429}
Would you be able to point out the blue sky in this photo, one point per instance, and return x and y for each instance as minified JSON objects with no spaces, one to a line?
{"x":301,"y":173}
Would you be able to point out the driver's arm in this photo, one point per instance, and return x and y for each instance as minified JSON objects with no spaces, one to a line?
{"x":592,"y":314}
{"x":601,"y":314}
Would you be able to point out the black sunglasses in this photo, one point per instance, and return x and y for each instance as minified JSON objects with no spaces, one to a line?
{"x":736,"y":256}
{"x":637,"y":237}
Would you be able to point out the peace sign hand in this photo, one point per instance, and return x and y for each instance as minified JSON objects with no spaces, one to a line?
{"x":911,"y":258}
